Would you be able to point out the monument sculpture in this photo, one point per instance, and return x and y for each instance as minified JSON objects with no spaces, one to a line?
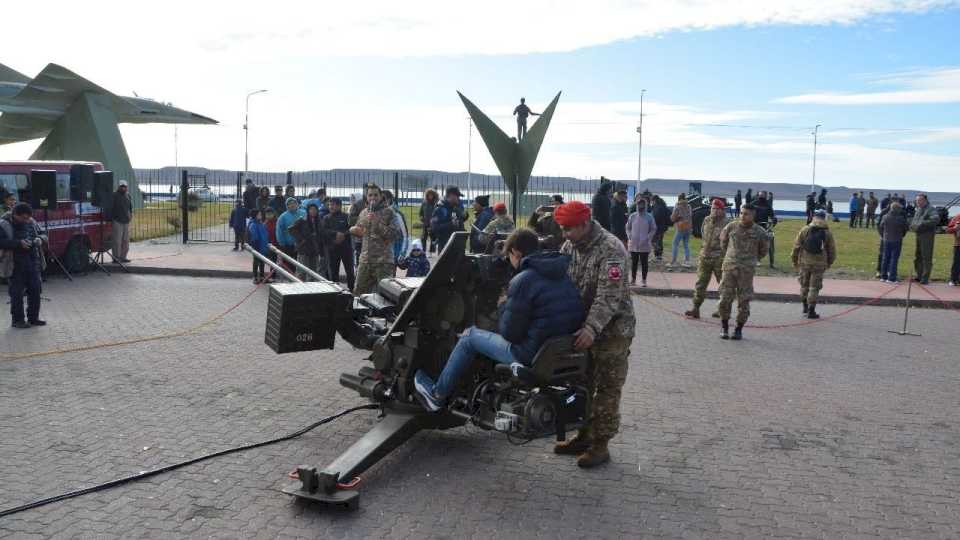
{"x":514,"y":158}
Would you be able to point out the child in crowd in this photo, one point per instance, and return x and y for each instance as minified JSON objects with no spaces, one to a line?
{"x":257,"y":238}
{"x":238,"y":222}
{"x":416,"y":264}
{"x":270,"y":221}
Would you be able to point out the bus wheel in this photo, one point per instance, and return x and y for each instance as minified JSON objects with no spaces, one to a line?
{"x":77,"y":255}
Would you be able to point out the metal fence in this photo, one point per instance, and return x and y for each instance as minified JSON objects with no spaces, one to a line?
{"x":212,"y":194}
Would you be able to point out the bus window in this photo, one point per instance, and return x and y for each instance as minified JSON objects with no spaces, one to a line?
{"x":63,"y":186}
{"x":13,"y":183}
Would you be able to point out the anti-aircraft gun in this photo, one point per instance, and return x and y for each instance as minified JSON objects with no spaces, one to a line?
{"x":410,"y":324}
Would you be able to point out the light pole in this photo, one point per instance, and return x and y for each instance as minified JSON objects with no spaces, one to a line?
{"x":246,"y":133}
{"x":640,"y":143}
{"x":813,"y":179}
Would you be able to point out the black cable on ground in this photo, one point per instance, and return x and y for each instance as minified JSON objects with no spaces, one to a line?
{"x":147,"y":474}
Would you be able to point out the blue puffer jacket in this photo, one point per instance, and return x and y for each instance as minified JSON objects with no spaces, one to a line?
{"x":542,"y":302}
{"x":257,"y":236}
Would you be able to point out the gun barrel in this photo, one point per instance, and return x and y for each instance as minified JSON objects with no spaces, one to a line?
{"x":298,"y":264}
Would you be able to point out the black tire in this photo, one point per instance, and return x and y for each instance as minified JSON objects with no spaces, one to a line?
{"x":76,"y":258}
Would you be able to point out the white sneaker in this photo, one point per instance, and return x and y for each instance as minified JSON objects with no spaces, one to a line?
{"x":643,"y":283}
{"x":686,"y":264}
{"x":952,"y":284}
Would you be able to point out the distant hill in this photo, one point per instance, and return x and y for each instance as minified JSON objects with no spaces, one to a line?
{"x":420,"y":179}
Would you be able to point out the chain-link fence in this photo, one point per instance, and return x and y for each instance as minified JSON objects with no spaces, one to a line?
{"x":212,"y":194}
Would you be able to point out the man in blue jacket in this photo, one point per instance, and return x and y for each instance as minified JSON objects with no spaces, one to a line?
{"x":542,"y":302}
{"x":448,"y":217}
{"x":287,"y":243}
{"x":238,"y":222}
{"x":484,"y":215}
{"x":853,"y":210}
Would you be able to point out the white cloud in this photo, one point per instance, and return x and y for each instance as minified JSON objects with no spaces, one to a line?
{"x":264,"y":30}
{"x":916,"y":87}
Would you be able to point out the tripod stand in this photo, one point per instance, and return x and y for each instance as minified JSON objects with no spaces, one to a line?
{"x":53,"y":256}
{"x":97,"y":259}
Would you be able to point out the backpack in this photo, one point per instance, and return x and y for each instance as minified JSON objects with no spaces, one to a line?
{"x":815,"y":240}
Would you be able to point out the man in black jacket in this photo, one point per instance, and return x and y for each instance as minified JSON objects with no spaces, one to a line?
{"x":309,"y":235}
{"x":336,"y":228}
{"x":250,"y":194}
{"x":121,"y":212}
{"x":661,"y":215}
{"x":618,"y":216}
{"x":600,"y":206}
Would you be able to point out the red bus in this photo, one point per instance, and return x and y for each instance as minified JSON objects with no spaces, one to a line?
{"x":75,"y":228}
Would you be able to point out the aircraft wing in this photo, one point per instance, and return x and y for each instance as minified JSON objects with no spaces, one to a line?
{"x":56,"y":87}
{"x":16,"y":127}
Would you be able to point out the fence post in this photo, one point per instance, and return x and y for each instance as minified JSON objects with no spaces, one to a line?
{"x":396,"y":186}
{"x":239,"y":196}
{"x":184,"y":204}
{"x":289,"y":178}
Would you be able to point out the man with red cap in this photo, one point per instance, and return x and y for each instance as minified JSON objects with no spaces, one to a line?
{"x":500,"y":224}
{"x":598,"y":268}
{"x":711,"y":256}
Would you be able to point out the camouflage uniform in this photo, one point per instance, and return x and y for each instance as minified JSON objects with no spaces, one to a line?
{"x":742,"y":248}
{"x":376,"y":259}
{"x":499,"y":224}
{"x":813,"y":265}
{"x":598,"y":268}
{"x":711,"y":257}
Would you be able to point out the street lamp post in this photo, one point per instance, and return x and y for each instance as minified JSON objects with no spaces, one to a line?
{"x":640,"y":143}
{"x":469,"y":154}
{"x":813,"y":179}
{"x":246,"y":133}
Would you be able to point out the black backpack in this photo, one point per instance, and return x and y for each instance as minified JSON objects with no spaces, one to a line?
{"x":815,"y":240}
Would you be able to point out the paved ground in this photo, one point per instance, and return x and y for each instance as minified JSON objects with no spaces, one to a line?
{"x":837,"y":429}
{"x":172,"y":257}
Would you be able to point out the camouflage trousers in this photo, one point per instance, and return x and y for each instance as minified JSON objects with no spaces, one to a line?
{"x":369,"y":275}
{"x":708,"y":266}
{"x":608,"y":373}
{"x":811,"y":281}
{"x":736,"y":283}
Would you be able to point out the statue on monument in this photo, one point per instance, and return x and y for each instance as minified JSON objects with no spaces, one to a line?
{"x":521,"y":112}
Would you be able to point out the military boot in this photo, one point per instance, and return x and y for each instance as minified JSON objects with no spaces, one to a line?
{"x":812,"y":312}
{"x":725,"y":329}
{"x":738,"y":332}
{"x":597,"y":454}
{"x":692,"y":313}
{"x":805,"y":306}
{"x":573,"y":446}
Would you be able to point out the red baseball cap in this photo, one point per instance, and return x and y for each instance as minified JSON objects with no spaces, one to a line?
{"x":500,"y":206}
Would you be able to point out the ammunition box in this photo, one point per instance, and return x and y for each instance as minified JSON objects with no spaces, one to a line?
{"x":305,"y":316}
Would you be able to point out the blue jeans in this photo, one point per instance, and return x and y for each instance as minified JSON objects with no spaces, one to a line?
{"x":683,"y":236}
{"x":891,"y":256}
{"x":474,"y":341}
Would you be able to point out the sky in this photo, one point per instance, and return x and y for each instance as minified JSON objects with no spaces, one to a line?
{"x":733,"y":89}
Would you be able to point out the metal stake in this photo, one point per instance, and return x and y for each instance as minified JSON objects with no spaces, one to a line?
{"x":906,"y":313}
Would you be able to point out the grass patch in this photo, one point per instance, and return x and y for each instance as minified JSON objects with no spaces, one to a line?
{"x":159,"y":219}
{"x":857,"y":251}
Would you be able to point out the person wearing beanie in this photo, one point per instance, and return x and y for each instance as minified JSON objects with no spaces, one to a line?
{"x":448,"y":217}
{"x":308,"y":233}
{"x":285,"y":241}
{"x":501,"y":223}
{"x":814,"y":251}
{"x":641,"y":228}
{"x":484,"y":214}
{"x":601,"y":204}
{"x":742,"y":242}
{"x":598,"y":262}
{"x":711,"y":256}
{"x":416,"y":263}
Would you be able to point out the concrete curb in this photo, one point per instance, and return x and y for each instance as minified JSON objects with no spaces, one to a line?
{"x":782,"y":297}
{"x":184,"y":272}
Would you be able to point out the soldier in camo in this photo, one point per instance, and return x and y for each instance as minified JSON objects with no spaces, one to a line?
{"x":598,"y":268}
{"x":814,"y":251}
{"x":711,"y":258}
{"x":743,"y":243}
{"x":375,"y":225}
{"x":501,"y":224}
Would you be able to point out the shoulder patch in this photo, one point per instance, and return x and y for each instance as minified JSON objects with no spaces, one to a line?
{"x":614,"y":271}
